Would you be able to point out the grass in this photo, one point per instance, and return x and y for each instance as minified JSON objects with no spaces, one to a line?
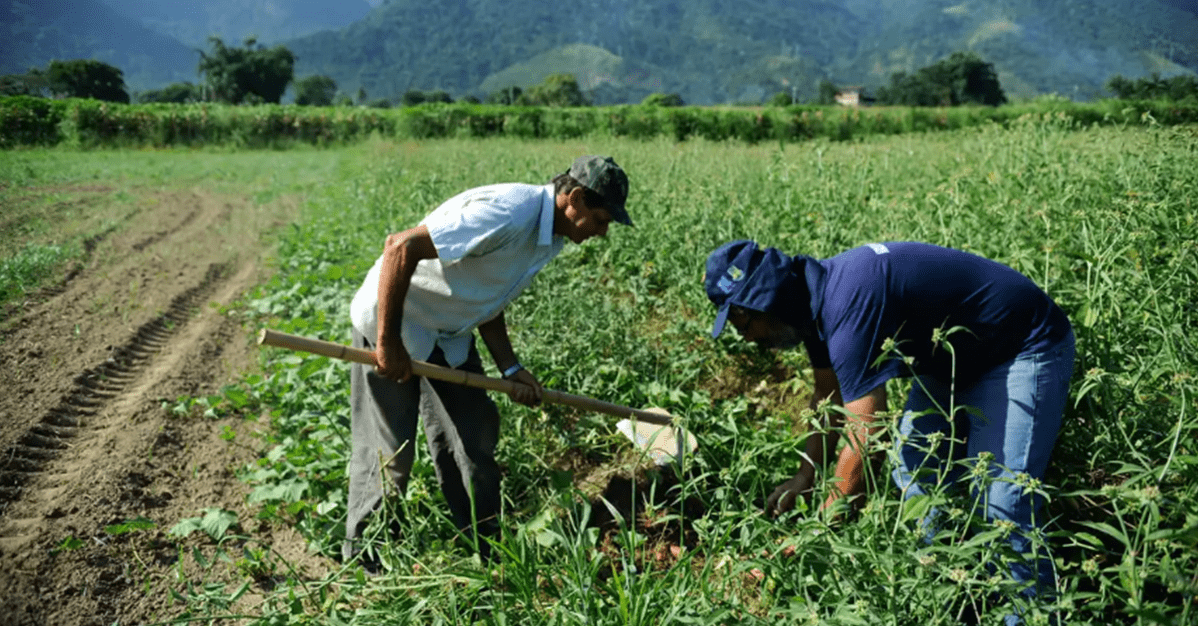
{"x":29,"y":267}
{"x":1102,"y":218}
{"x":58,"y":204}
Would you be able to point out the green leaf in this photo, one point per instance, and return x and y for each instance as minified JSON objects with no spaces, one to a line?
{"x":236,"y":396}
{"x":1152,"y":615}
{"x":199,"y":557}
{"x":215,"y":523}
{"x":1094,"y":542}
{"x":1109,"y":530}
{"x":185,"y":527}
{"x":139,"y":523}
{"x":70,"y":543}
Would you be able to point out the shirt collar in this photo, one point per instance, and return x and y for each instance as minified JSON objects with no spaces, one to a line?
{"x":545,"y":236}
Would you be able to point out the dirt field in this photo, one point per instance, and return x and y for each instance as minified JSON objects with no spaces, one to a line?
{"x":86,"y":366}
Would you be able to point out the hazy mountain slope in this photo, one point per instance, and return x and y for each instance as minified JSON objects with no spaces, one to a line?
{"x":192,"y":21}
{"x":726,"y":50}
{"x":610,"y":78}
{"x":709,"y":51}
{"x":712,"y":50}
{"x":1068,"y":47}
{"x":1185,"y":5}
{"x":38,"y":31}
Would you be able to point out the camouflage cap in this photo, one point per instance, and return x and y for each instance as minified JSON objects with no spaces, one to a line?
{"x":601,"y":175}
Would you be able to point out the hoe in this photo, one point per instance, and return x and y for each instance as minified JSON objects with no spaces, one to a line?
{"x":652,"y":430}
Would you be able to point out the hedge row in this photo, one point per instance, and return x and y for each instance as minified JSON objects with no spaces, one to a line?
{"x":91,"y":123}
{"x":28,"y":121}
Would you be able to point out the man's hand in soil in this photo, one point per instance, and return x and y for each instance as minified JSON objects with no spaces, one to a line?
{"x":784,"y":496}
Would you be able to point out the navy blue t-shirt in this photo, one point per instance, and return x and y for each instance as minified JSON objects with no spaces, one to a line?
{"x":904,"y":291}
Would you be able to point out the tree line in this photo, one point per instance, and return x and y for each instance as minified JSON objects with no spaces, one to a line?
{"x":1154,"y":87}
{"x":255,"y":74}
{"x":252,"y":74}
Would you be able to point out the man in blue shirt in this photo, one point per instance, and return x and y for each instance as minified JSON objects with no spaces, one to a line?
{"x":990,"y":353}
{"x":431,"y":288}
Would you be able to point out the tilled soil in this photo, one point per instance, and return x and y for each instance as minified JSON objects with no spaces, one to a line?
{"x":90,"y":368}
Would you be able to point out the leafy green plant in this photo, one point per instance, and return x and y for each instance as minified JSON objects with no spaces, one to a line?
{"x":129,"y":526}
{"x":215,"y":523}
{"x":70,"y":543}
{"x":30,"y":269}
{"x":1099,"y":215}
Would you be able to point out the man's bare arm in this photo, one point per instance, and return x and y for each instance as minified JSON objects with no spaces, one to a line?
{"x":823,"y":443}
{"x":818,"y":446}
{"x":494,"y":334}
{"x":401,"y":253}
{"x":861,"y":425}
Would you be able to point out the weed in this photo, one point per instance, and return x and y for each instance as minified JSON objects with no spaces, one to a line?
{"x":1102,"y":218}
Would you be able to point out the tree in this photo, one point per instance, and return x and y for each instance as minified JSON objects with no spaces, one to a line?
{"x":558,"y":90}
{"x":962,"y":78}
{"x":1181,"y":87}
{"x":782,"y":99}
{"x":507,"y":95}
{"x":413,"y":97}
{"x":252,"y":73}
{"x":87,"y":78}
{"x":826,"y":92}
{"x":663,"y":100}
{"x":316,"y":90}
{"x":180,"y":93}
{"x":33,"y":83}
{"x":1153,"y":87}
{"x":974,"y":81}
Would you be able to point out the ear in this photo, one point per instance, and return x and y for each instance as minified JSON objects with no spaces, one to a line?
{"x":577,"y":198}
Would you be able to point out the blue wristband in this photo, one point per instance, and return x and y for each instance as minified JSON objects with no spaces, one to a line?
{"x":512,"y":370}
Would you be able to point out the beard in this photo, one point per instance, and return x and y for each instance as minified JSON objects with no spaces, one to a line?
{"x":782,"y":337}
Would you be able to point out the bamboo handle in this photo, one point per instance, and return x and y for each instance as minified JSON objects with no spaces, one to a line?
{"x":268,"y":337}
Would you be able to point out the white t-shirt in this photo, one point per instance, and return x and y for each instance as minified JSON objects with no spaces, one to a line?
{"x":490,"y":241}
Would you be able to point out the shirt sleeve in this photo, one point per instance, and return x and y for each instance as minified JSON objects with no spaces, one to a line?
{"x":855,"y":343}
{"x":474,"y":227}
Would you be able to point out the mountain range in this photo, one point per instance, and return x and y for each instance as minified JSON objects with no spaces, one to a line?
{"x":270,"y":21}
{"x":708,"y":51}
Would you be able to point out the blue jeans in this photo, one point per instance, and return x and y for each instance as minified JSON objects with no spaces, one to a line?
{"x":1014,"y":412}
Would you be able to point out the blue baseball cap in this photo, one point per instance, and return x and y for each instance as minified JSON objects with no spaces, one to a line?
{"x":740,"y":274}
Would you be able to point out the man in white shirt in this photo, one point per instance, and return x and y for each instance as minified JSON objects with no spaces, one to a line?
{"x":432,"y":287}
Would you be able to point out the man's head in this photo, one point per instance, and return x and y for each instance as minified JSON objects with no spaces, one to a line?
{"x":750,"y":287}
{"x":764,"y":329}
{"x":606,"y":182}
{"x":590,"y":195}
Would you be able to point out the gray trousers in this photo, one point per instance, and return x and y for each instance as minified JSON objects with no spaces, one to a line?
{"x":461,"y":425}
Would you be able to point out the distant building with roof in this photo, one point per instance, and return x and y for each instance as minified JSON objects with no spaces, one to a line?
{"x":853,"y":97}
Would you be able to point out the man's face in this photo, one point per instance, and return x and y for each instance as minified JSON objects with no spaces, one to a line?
{"x":581,"y":221}
{"x":763,"y":329}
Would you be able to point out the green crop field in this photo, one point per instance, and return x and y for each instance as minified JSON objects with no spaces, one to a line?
{"x":1102,"y":218}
